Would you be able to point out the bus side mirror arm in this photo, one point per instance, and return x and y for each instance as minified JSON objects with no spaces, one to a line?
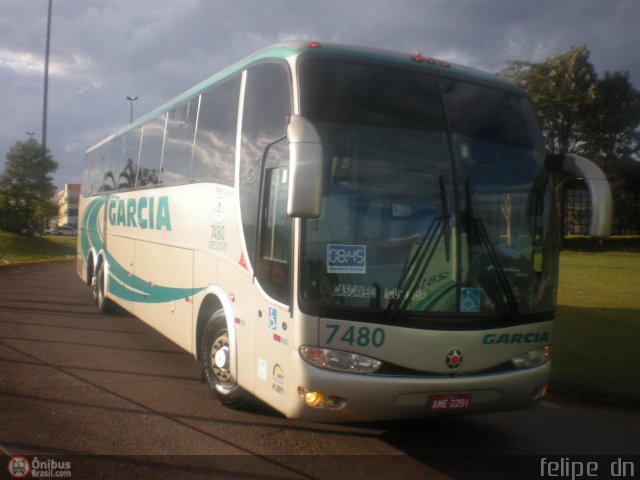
{"x":598,"y":185}
{"x":306,"y":169}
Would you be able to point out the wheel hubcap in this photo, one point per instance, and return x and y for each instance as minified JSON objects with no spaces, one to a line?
{"x":222,"y":358}
{"x":219,"y":357}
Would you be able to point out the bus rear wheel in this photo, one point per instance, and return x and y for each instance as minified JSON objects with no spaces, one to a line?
{"x":99,"y":292}
{"x":216,"y":360}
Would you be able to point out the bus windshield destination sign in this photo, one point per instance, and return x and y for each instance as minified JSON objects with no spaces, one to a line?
{"x":346,"y":258}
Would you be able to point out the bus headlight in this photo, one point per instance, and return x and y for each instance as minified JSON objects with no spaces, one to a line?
{"x":339,"y":360}
{"x":534,"y":358}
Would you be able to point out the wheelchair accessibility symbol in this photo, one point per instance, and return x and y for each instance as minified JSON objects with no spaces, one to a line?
{"x":470,"y":300}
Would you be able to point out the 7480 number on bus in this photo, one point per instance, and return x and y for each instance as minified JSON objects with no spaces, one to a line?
{"x":352,"y":335}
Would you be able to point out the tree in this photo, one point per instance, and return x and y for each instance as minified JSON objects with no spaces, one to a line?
{"x":26,"y":188}
{"x":610,"y":130}
{"x":560,"y":87}
{"x":579,"y":113}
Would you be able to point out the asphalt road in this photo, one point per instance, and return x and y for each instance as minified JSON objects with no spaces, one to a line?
{"x":118,"y":400}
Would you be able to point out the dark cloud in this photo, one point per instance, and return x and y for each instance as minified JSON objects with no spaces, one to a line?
{"x":104,"y":50}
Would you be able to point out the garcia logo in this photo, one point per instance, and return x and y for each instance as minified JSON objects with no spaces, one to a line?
{"x":509,"y":338}
{"x":145,"y":212}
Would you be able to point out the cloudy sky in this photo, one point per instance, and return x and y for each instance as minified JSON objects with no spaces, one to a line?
{"x":104,"y":50}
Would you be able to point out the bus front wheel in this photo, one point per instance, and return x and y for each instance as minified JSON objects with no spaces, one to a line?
{"x":216,"y":360}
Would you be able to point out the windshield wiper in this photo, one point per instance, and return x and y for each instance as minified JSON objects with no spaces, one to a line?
{"x":476,"y":228}
{"x":419,"y":263}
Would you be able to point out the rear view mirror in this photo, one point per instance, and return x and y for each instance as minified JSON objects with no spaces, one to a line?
{"x":306,"y":176}
{"x":599,"y":189}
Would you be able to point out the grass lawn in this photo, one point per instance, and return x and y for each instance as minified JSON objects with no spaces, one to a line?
{"x":596,"y":354}
{"x":22,"y":248}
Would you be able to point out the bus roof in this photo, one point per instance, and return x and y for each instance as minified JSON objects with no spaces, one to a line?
{"x":291,"y":49}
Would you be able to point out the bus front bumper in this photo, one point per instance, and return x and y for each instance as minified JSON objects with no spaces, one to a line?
{"x":329,"y":396}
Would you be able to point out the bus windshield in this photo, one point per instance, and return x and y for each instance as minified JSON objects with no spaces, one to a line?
{"x":436,"y":202}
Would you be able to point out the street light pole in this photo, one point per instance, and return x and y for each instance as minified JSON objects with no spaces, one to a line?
{"x":46,"y":81}
{"x":131,"y":99}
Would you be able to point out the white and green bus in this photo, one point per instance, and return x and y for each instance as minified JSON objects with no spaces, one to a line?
{"x":344,"y":233}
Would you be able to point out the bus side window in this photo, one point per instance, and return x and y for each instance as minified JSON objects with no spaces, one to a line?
{"x":178,"y":143}
{"x":114,"y":153}
{"x":88,"y":166}
{"x":94,"y":165}
{"x":272,"y":264}
{"x":267,"y":103}
{"x":127,"y":176}
{"x":214,"y":151}
{"x":151,"y":152}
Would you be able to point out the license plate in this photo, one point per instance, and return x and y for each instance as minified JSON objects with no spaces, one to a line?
{"x":449,"y":402}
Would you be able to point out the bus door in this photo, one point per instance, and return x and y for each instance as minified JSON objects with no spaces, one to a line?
{"x":273,"y":260}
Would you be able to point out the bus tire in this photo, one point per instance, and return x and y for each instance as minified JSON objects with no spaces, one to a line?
{"x":215,"y":358}
{"x":99,"y":292}
{"x":94,"y":287}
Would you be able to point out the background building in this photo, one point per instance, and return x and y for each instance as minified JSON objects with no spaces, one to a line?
{"x":577,"y":210}
{"x":68,"y":205}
